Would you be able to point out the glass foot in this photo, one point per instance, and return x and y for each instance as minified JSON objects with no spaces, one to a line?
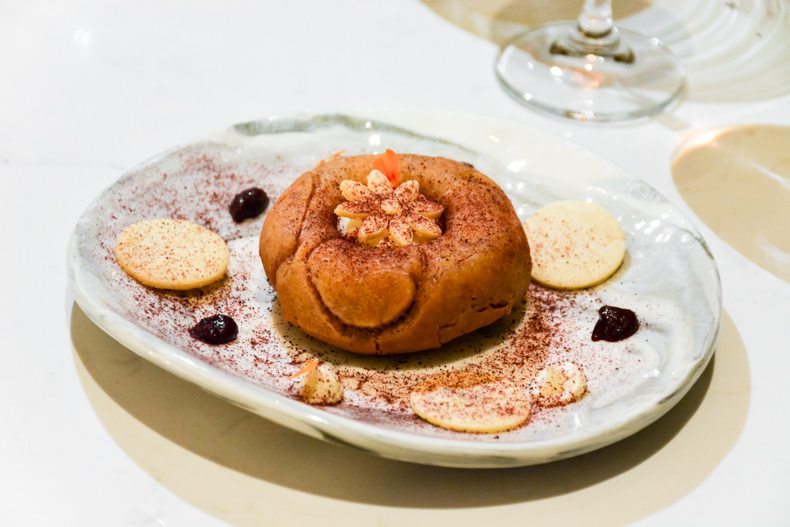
{"x":617,"y":77}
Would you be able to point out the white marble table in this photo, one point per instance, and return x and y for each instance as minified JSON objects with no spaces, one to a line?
{"x":95,"y":436}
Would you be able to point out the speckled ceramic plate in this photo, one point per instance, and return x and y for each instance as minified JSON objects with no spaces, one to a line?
{"x":669,"y":279}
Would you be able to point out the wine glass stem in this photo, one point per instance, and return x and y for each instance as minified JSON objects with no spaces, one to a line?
{"x":596,"y":18}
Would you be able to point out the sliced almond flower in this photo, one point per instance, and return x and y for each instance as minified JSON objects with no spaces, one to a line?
{"x":378,"y":183}
{"x":427,"y":208}
{"x":391,"y":206}
{"x":355,"y":191}
{"x":400,"y":231}
{"x":347,"y":226}
{"x":355,"y":209}
{"x":378,"y":214}
{"x":424,"y":229}
{"x":407,"y":191}
{"x":373,"y":228}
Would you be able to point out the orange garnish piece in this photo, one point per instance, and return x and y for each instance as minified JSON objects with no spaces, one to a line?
{"x":335,"y":155}
{"x":307,"y":368}
{"x":387,"y":163}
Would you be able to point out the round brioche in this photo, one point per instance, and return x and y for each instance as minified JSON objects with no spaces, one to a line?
{"x":402,"y":299}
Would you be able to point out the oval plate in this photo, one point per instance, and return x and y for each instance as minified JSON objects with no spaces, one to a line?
{"x":669,"y":279}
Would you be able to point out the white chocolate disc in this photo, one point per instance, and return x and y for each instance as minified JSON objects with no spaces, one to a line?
{"x":574,"y":244}
{"x":172,"y":254}
{"x":469,"y":402}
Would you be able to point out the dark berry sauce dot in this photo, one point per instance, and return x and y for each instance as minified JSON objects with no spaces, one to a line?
{"x":248,"y":204}
{"x":615,"y":323}
{"x":217,"y":329}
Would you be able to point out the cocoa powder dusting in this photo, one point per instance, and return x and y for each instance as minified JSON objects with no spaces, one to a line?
{"x":522,"y":345}
{"x":196,"y":184}
{"x":455,"y":380}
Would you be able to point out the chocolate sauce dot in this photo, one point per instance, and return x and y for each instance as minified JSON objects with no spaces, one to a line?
{"x":615,"y":323}
{"x":217,"y":329}
{"x":248,"y":204}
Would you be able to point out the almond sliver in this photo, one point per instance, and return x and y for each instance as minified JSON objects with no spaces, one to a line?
{"x":355,"y":191}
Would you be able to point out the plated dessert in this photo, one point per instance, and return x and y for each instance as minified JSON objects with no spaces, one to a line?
{"x":392,"y":299}
{"x":434,"y":250}
{"x":400,"y":254}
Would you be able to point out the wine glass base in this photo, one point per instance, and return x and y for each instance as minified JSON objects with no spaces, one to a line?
{"x":545,"y":69}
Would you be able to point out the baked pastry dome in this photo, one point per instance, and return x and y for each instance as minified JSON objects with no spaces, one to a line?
{"x":395,"y":299}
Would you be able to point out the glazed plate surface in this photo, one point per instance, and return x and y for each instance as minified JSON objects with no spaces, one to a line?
{"x":669,"y":279}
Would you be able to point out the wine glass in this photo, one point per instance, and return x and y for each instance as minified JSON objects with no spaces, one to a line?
{"x":589,"y":70}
